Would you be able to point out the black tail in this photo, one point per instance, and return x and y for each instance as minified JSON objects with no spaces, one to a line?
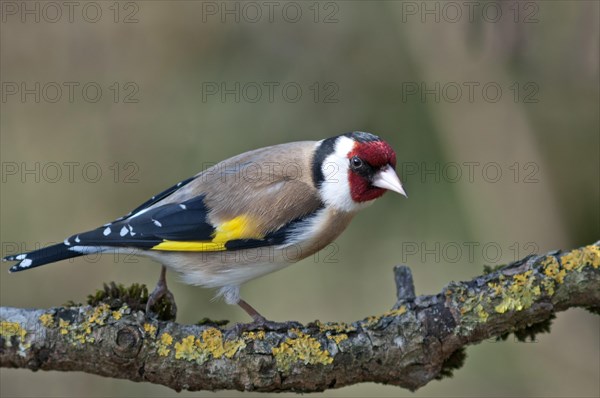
{"x":39,"y":257}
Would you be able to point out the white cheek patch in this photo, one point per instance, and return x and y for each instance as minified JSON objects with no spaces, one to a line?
{"x":335,"y":188}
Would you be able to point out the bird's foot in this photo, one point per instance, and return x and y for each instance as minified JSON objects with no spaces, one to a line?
{"x":161,"y":302}
{"x":261,"y":323}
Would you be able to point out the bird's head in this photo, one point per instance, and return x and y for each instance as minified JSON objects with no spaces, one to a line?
{"x":351,"y":170}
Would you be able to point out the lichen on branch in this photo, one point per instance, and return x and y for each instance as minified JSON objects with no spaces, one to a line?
{"x":420,"y":339}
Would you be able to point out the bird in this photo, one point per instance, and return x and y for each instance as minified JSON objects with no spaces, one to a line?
{"x":245,"y":217}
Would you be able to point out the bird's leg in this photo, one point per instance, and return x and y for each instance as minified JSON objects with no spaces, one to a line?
{"x":258,"y":318}
{"x":168,"y":308}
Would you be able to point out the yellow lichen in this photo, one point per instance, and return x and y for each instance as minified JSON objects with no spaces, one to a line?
{"x":118,"y":314}
{"x":396,"y":312}
{"x":81,"y":332}
{"x":579,"y":258}
{"x":82,"y":338}
{"x":552,"y":269}
{"x":99,"y":314}
{"x":64,"y":326}
{"x":371,"y":320}
{"x":572,"y":261}
{"x":336,"y":331}
{"x":591,"y":255}
{"x":163,"y":344}
{"x":47,"y":320}
{"x":337,"y":327}
{"x":548,"y":285}
{"x":481,"y":313}
{"x":211,"y":344}
{"x":338,"y":338}
{"x":301,"y":348}
{"x":212,"y":341}
{"x":166,"y":339}
{"x":496,"y":288}
{"x":186,"y":349}
{"x":150,"y":329}
{"x":521,"y":279}
{"x":575,"y":260}
{"x":519,"y":294}
{"x":473,"y":304}
{"x":260,"y":335}
{"x":12,"y":329}
{"x":163,"y":351}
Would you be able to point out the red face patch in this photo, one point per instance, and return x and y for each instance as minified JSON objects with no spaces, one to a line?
{"x":377,"y":154}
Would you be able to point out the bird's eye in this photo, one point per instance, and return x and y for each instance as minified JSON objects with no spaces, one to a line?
{"x":356,"y":162}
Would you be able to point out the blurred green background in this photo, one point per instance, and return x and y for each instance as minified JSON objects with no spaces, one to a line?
{"x":492,"y":110}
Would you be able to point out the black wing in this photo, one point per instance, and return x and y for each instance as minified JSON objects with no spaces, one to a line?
{"x":153,"y":200}
{"x":146,"y":228}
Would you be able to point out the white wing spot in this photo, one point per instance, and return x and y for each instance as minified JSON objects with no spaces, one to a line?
{"x":107,"y":231}
{"x":77,"y":240}
{"x":131,"y":230}
{"x":66,"y":242}
{"x":184,"y":207}
{"x":123,"y":231}
{"x":25,"y":263}
{"x":157,"y":223}
{"x":21,"y":257}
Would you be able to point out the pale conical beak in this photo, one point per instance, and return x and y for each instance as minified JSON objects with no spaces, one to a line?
{"x":387,"y":178}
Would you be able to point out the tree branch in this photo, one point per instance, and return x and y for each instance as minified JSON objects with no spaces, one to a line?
{"x":420,"y":339}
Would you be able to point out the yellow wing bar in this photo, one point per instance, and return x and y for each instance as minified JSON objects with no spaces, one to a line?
{"x":240,"y":227}
{"x":172,"y":245}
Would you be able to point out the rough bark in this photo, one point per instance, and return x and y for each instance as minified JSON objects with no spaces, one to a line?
{"x":418,"y":340}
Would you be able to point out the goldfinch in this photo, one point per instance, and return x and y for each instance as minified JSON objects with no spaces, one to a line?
{"x":246,"y":216}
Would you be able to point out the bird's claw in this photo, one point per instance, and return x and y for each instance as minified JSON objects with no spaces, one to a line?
{"x":161,"y":304}
{"x":265,"y":325}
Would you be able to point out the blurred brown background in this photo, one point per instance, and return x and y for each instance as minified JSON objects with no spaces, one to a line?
{"x":492,"y":109}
